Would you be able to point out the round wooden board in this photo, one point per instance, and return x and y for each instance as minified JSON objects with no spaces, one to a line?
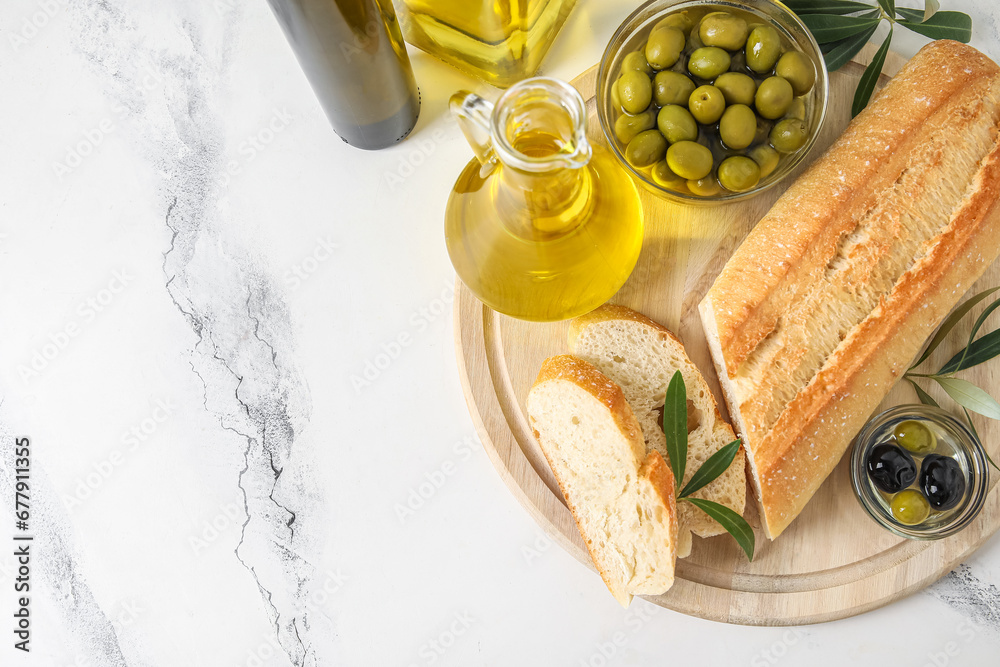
{"x":833,"y":561}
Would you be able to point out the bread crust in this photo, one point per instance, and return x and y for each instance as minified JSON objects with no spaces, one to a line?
{"x":793,"y":457}
{"x":569,"y":368}
{"x":791,"y":243}
{"x":653,"y":468}
{"x":661,"y":477}
{"x":609,"y":312}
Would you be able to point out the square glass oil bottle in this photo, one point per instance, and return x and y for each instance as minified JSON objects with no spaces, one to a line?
{"x":499,"y":41}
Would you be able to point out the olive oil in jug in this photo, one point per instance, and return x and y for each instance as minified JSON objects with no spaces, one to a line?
{"x":542,"y":226}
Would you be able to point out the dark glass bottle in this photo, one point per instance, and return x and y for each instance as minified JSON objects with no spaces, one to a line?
{"x":353,"y":54}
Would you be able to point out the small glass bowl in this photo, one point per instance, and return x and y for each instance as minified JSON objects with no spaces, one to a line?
{"x":635,"y":29}
{"x":953,"y":439}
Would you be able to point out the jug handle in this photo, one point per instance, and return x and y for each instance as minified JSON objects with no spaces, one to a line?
{"x":473,"y":113}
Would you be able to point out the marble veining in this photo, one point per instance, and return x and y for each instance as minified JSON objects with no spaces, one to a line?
{"x":245,"y":350}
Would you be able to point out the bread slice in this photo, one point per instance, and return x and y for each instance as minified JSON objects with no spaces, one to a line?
{"x":621,"y":497}
{"x":641,"y":356}
{"x":824,"y":305}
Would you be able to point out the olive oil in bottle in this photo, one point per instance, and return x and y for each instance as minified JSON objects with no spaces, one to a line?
{"x":499,"y":41}
{"x":353,"y":54}
{"x":543,"y":226}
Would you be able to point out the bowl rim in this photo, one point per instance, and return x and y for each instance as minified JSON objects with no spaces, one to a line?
{"x":627,"y":27}
{"x":978,"y":482}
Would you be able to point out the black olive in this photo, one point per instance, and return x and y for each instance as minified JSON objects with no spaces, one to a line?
{"x":942,"y":481}
{"x":891,"y":468}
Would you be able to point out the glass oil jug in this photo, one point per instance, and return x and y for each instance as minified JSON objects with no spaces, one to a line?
{"x":499,"y":41}
{"x":541,"y":225}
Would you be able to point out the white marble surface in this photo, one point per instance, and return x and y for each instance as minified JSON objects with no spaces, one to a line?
{"x":209,"y":485}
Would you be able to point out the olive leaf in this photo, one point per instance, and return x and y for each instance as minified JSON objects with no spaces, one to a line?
{"x":840,"y":53}
{"x":716,"y":464}
{"x":930,"y":9}
{"x":830,"y":28}
{"x":969,"y":396}
{"x":675,"y":425}
{"x":870,"y":77}
{"x":734,"y":524}
{"x":975,"y":329}
{"x":949,"y":324}
{"x":924,"y":397}
{"x":675,"y":429}
{"x":942,"y":25}
{"x":982,"y":319}
{"x":843,"y":27}
{"x":802,"y":7}
{"x":982,"y":350}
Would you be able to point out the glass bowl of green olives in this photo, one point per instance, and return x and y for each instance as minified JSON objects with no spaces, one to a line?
{"x":920,"y":472}
{"x":711,"y":101}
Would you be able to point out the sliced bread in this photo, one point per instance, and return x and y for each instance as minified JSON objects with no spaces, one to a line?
{"x":641,"y":356}
{"x":621,"y":497}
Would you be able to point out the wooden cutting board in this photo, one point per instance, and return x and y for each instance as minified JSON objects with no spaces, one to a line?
{"x":833,"y":561}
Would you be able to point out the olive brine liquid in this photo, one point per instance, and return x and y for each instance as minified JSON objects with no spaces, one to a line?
{"x":939,"y":445}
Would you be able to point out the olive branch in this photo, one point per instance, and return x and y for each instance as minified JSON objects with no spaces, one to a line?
{"x":843,"y":27}
{"x":975,"y":352}
{"x":675,"y":429}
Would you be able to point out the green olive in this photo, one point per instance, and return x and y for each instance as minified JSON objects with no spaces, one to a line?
{"x":707,"y":104}
{"x":663,"y":176}
{"x":798,"y":70}
{"x":616,"y":98}
{"x":676,"y":124}
{"x":737,"y":126}
{"x":789,"y":135}
{"x":689,"y":160}
{"x":681,"y":21}
{"x":723,"y":30}
{"x":773,"y":97}
{"x":705,"y":187}
{"x":636,"y":61}
{"x":739,"y":173}
{"x":636,"y":91}
{"x":646,"y":148}
{"x":736,"y":88}
{"x":672,"y":88}
{"x":763,"y":48}
{"x":915,"y":436}
{"x":664,"y":47}
{"x":797,"y":110}
{"x":766,"y":158}
{"x":910,"y":507}
{"x":626,"y":127}
{"x":708,"y":62}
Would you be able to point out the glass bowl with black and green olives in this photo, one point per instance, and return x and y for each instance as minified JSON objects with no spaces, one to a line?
{"x":919,"y":472}
{"x":711,"y":101}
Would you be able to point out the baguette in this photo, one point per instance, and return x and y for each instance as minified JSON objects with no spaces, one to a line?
{"x":640,"y":356}
{"x":621,"y":497}
{"x":824,"y":305}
